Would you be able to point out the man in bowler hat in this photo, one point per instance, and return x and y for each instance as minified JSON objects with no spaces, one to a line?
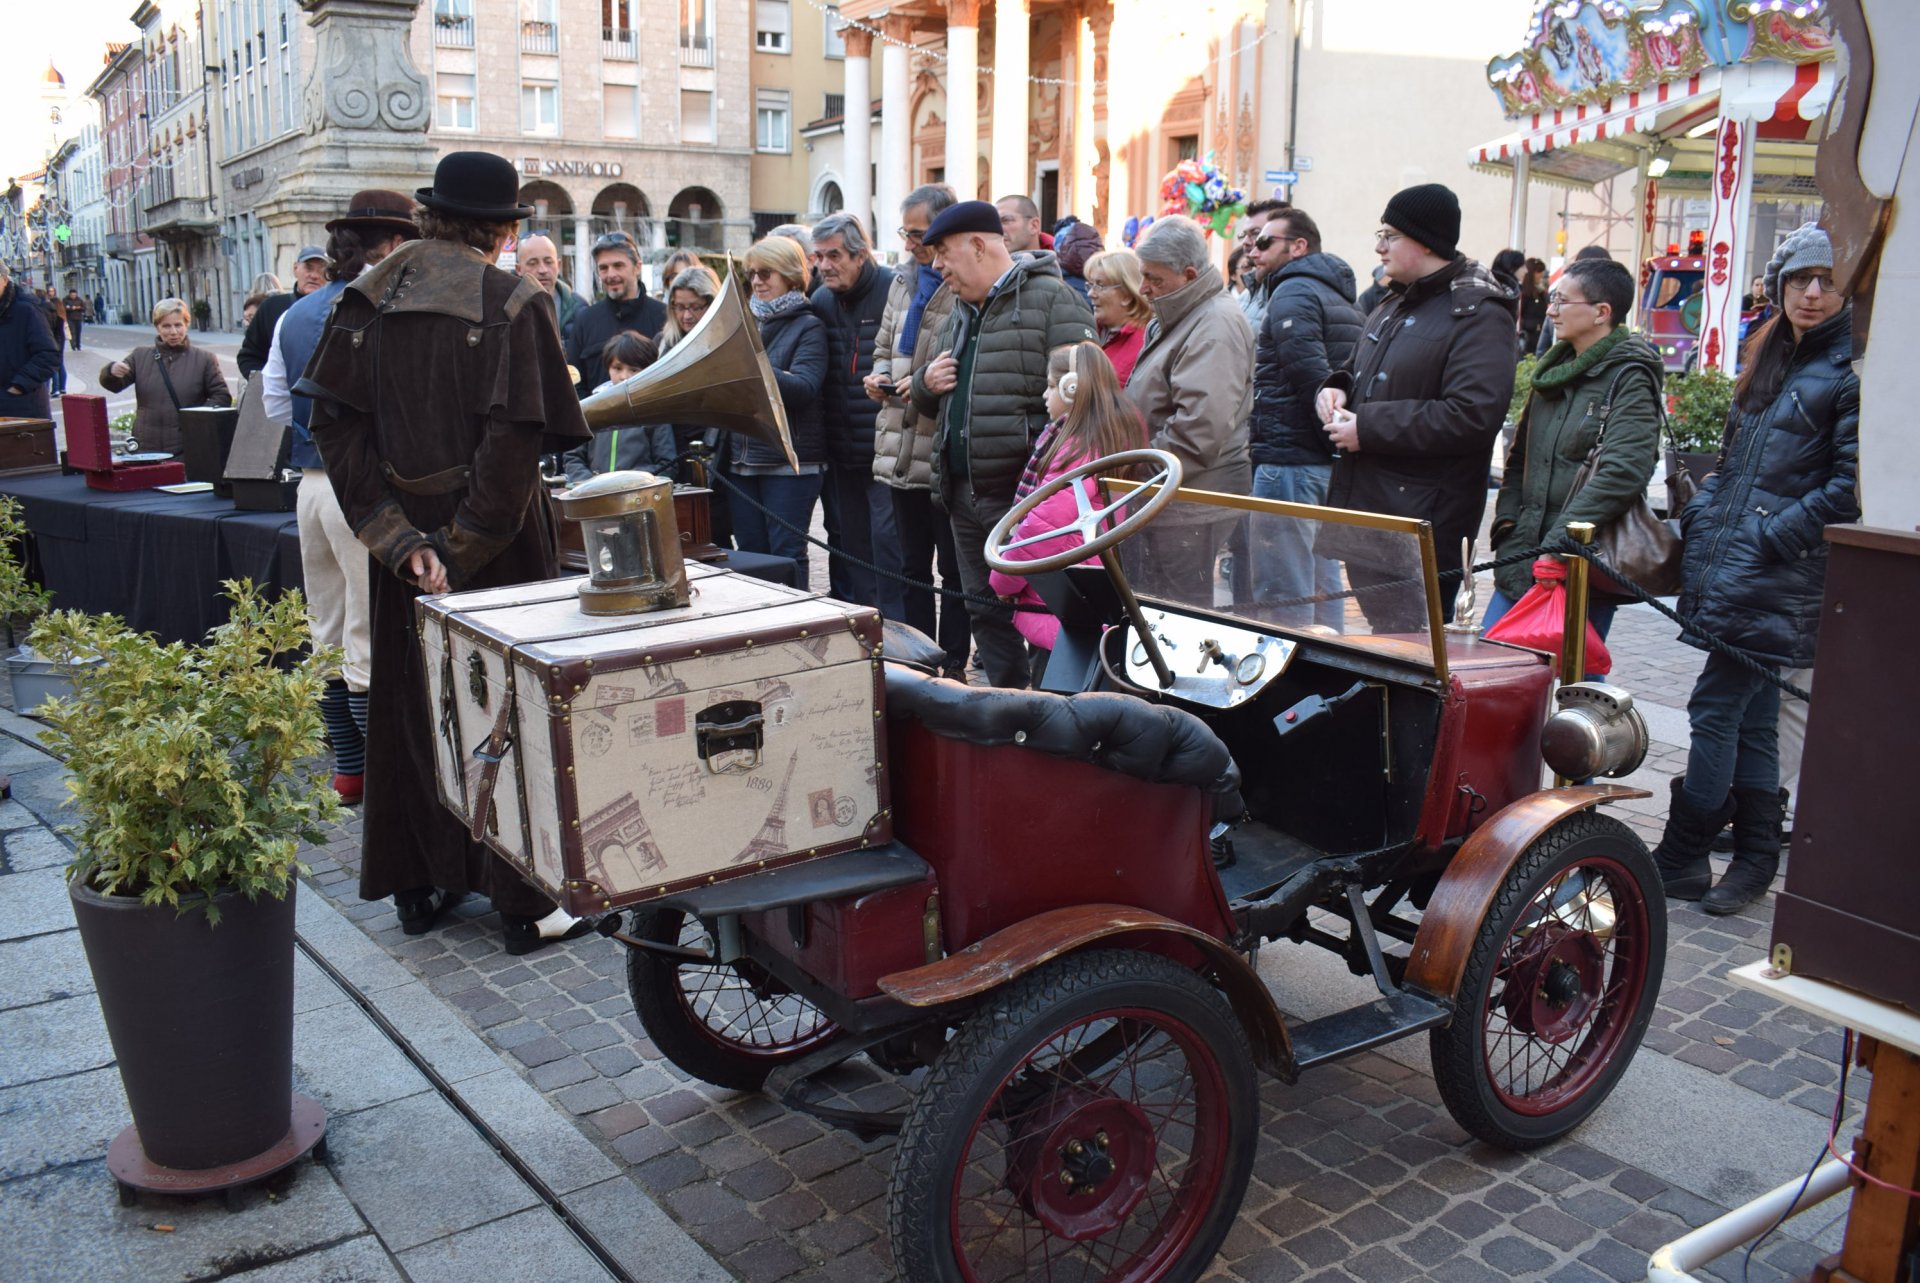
{"x":437,"y":384}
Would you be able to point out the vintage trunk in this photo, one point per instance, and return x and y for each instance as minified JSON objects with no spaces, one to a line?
{"x":641,"y":754}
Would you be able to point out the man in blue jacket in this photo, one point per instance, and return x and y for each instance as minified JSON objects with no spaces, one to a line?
{"x":1309,"y":326}
{"x":333,"y":563}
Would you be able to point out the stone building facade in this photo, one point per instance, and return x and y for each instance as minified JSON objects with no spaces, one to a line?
{"x":128,"y":268}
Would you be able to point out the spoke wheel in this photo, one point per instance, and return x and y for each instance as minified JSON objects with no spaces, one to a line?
{"x":1094,"y":1122}
{"x":728,"y":1025}
{"x":1558,"y":990}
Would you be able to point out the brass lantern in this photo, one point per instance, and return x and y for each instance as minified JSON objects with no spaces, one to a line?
{"x":634,"y":561}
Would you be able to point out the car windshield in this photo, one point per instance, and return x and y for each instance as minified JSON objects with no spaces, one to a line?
{"x":1352,"y":576}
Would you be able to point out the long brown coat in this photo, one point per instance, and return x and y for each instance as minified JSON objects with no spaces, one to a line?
{"x":197,"y":380}
{"x":437,"y":385}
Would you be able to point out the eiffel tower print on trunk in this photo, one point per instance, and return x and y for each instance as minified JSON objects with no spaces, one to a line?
{"x":661,"y":751}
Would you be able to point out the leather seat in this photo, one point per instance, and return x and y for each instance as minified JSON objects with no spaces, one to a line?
{"x":1120,"y":732}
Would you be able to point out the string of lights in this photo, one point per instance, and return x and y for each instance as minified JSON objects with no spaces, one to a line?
{"x":936,"y":56}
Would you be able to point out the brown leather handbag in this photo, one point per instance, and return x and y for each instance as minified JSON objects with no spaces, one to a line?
{"x":1637,"y":543}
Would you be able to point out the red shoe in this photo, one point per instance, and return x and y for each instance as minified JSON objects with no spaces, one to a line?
{"x":349,"y":787}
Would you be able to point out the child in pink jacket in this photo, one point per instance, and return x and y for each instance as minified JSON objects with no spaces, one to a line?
{"x":1090,"y":419}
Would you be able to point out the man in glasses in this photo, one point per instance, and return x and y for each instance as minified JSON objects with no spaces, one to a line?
{"x":625,"y":306}
{"x":1253,"y":280}
{"x":1414,"y":416}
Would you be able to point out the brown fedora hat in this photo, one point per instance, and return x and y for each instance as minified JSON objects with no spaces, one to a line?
{"x":379,"y":207}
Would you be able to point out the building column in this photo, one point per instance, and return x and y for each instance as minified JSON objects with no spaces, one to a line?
{"x":896,"y":133}
{"x":1012,"y":53}
{"x":583,"y":273}
{"x":1731,"y":193}
{"x":856,"y":155}
{"x":963,"y":97}
{"x":1086,"y":151}
{"x":1517,"y":211}
{"x":1120,"y":125}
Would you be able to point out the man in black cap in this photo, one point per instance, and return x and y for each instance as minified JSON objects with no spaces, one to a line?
{"x":438,"y":383}
{"x":333,"y":565}
{"x":309,"y":274}
{"x":1415,"y":415}
{"x":986,"y":393}
{"x":626,"y":306}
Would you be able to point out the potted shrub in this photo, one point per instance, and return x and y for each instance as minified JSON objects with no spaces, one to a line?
{"x":189,"y":807}
{"x":1697,"y":408}
{"x":22,"y":600}
{"x":1522,"y":389}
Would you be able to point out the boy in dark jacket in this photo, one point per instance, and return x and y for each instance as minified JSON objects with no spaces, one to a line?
{"x":1309,"y":328}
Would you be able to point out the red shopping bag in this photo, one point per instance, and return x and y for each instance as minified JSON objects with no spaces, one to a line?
{"x":1539,"y":619}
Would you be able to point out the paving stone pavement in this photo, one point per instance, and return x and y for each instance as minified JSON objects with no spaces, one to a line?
{"x":1361,"y":1174}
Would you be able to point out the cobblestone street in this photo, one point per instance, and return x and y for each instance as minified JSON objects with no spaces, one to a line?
{"x":1360,"y":1173}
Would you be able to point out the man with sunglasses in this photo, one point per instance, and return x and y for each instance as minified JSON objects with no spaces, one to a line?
{"x":1415,"y":414}
{"x":625,"y":305}
{"x":1253,"y":281}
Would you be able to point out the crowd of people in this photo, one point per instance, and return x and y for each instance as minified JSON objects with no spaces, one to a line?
{"x":925,"y":399}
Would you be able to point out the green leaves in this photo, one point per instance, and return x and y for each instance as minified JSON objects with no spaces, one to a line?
{"x":1522,"y":386}
{"x":182,"y":758}
{"x":1698,"y":405}
{"x":20,"y":597}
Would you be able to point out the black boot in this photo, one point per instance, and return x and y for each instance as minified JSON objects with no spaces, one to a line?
{"x":1682,"y":854}
{"x":1757,"y":816}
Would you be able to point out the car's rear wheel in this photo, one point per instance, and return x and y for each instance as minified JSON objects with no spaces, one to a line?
{"x":1093,"y":1121}
{"x":1559,"y":987}
{"x":730,"y":1025}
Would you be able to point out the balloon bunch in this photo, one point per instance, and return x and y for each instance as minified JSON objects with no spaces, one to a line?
{"x":1201,"y":191}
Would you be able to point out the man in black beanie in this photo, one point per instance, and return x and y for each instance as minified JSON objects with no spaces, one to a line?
{"x":1415,"y":416}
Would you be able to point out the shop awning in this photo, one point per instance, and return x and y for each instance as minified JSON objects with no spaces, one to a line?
{"x":1581,"y":146}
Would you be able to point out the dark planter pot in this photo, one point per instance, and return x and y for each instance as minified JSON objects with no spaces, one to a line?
{"x":201,"y":1020}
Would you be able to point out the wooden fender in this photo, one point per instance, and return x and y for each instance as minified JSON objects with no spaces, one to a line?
{"x":1010,"y":953}
{"x":1462,"y":900}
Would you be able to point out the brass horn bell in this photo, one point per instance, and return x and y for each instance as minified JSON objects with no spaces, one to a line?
{"x":717,"y":375}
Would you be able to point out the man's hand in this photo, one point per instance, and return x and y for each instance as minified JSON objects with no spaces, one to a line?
{"x":121,"y":369}
{"x":429,"y":576}
{"x":878,"y":389}
{"x":943,"y":375}
{"x":1329,"y":400}
{"x":1343,"y":429}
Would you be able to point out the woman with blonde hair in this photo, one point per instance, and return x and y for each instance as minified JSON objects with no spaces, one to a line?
{"x":796,"y":344}
{"x":690,"y":292}
{"x":167,"y":375}
{"x":1120,"y":308}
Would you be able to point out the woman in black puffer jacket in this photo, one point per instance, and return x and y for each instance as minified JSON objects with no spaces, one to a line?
{"x":1755,"y":568}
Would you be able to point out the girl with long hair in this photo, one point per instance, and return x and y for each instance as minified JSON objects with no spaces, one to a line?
{"x":1091,"y":418}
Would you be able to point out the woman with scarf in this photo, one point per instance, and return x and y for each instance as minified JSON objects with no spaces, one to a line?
{"x":777,"y":498}
{"x":167,"y":376}
{"x":918,"y":304}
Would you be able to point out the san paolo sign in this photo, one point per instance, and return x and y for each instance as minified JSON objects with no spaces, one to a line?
{"x":534,"y":167}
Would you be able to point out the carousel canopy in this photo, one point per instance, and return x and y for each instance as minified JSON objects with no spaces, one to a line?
{"x":1600,"y":87}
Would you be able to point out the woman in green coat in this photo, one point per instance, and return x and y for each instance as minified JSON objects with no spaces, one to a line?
{"x":1596,"y":361}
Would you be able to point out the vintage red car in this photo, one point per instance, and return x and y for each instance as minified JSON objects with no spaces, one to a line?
{"x":1061,"y":934}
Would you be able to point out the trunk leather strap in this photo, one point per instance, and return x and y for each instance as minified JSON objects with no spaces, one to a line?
{"x":489,"y":752}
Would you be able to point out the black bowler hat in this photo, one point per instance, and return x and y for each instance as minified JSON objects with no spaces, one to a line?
{"x":967,"y":216}
{"x":475,"y":184}
{"x":377,"y":207}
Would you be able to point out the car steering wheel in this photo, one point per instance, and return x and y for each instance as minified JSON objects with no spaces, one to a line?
{"x":1160,"y":487}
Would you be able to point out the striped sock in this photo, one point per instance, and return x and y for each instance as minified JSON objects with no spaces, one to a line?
{"x":349,"y":749}
{"x":357,"y":703}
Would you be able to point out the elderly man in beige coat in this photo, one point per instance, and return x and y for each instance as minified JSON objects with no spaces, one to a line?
{"x":1193,"y":384}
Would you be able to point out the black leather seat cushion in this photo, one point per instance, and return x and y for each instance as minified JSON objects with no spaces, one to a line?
{"x":1120,"y":732}
{"x":905,"y":644}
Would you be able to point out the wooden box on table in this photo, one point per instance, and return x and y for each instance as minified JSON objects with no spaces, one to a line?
{"x":617,"y":758}
{"x":26,"y":445}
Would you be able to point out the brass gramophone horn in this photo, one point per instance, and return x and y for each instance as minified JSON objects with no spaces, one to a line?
{"x":716,"y":376}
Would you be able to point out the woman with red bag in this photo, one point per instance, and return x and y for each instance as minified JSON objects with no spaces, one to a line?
{"x":1599,"y":384}
{"x":1755,"y":570}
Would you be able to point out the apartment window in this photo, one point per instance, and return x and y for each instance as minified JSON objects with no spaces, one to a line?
{"x":696,"y":33}
{"x":836,"y":42}
{"x":773,"y":26}
{"x":622,"y":112}
{"x":832,"y":105}
{"x":453,"y":100}
{"x":772,"y":120}
{"x":539,"y":107}
{"x":696,"y":116}
{"x":1186,"y":147}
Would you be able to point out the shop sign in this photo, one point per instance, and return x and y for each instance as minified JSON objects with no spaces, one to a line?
{"x":534,"y":167}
